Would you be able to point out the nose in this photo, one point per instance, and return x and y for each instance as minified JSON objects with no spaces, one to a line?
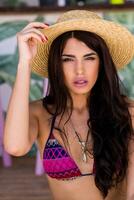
{"x":79,"y":68}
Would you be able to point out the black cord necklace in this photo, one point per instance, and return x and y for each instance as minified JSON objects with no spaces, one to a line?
{"x":82,"y":143}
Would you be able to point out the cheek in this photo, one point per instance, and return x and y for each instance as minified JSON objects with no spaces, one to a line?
{"x":96,"y":72}
{"x":93,"y":74}
{"x":68,"y":74}
{"x":68,"y":77}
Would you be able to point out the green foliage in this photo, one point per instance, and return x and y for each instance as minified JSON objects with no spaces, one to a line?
{"x":32,"y":151}
{"x":126,"y":74}
{"x":9,"y":29}
{"x":8,"y":63}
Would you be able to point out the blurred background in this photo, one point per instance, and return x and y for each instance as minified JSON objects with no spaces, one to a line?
{"x":23,"y":178}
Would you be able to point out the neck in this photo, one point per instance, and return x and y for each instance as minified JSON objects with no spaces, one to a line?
{"x":79,"y":103}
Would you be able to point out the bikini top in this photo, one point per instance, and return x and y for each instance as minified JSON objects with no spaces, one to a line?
{"x":57,"y":162}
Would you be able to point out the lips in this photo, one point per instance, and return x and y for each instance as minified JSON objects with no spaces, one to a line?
{"x":80,"y":82}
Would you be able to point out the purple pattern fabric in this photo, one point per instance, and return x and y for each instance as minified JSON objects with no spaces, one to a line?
{"x":57,"y":163}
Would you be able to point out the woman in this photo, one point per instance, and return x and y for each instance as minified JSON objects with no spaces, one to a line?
{"x":84,"y":126}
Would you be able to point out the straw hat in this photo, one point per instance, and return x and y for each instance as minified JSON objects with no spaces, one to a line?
{"x":118,"y":39}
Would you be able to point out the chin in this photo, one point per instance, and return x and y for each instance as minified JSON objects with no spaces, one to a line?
{"x":82,"y":92}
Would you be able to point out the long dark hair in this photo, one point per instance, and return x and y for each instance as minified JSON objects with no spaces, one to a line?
{"x":110,"y":121}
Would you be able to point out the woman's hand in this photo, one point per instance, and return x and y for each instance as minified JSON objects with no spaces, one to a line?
{"x":27,"y":40}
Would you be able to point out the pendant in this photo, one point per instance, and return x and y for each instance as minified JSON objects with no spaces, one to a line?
{"x":84,"y":157}
{"x":83,"y":145}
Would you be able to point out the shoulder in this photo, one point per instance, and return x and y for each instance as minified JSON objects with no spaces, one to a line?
{"x":40,"y":121}
{"x":36,"y":108}
{"x":131,"y":109}
{"x":39,"y":114}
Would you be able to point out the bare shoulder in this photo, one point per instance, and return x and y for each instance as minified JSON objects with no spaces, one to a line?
{"x":37,"y":109}
{"x":37,"y":113}
{"x":131,"y":102}
{"x":39,"y":116}
{"x":131,"y":109}
{"x":39,"y":123}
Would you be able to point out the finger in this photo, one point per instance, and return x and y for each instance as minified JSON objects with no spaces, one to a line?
{"x":35,"y":25}
{"x":34,"y":30}
{"x":31,"y":36}
{"x":35,"y":36}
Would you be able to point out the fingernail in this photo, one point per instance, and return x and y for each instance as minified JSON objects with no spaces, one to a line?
{"x":46,"y":37}
{"x":38,"y":27}
{"x":43,"y":40}
{"x":46,"y":24}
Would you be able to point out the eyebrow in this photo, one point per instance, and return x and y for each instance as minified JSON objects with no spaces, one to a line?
{"x":86,"y":55}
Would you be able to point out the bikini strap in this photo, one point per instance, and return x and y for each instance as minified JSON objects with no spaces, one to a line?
{"x":52,"y":125}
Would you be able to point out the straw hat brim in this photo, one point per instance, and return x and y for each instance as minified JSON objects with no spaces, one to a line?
{"x":119,"y":40}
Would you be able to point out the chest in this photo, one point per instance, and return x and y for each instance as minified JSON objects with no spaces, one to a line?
{"x":69,"y":143}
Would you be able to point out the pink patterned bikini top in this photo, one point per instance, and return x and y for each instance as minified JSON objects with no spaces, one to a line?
{"x":57,"y":162}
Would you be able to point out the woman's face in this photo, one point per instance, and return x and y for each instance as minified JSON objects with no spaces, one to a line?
{"x":80,"y":66}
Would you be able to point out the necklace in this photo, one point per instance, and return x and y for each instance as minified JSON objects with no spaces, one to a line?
{"x":82,"y":143}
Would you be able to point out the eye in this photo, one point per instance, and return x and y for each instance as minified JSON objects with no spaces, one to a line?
{"x":66,"y":59}
{"x":90,"y":58}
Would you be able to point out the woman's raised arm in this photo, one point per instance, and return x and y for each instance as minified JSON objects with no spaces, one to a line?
{"x":21,"y":121}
